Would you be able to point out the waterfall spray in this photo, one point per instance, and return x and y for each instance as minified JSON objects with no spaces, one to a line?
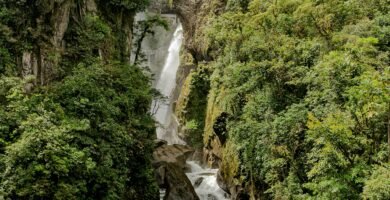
{"x":166,"y":84}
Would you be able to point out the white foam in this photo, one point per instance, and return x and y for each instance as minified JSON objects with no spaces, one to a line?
{"x":208,"y":189}
{"x":166,"y":84}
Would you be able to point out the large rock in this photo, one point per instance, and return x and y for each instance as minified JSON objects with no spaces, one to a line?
{"x":178,"y":187}
{"x":170,"y":163}
{"x":174,"y":154}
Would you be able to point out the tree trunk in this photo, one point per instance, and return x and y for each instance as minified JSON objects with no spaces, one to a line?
{"x":139,"y":44}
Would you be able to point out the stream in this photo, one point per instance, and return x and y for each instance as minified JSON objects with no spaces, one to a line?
{"x":204,"y":180}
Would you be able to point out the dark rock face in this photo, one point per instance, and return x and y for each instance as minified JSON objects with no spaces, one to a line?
{"x":169,"y":164}
{"x":198,"y":182}
{"x":222,"y":183}
{"x":177,"y":185}
{"x":39,"y":63}
{"x":211,"y":197}
{"x":160,"y":143}
{"x":236,"y":191}
{"x":56,"y":17}
{"x":194,"y":15}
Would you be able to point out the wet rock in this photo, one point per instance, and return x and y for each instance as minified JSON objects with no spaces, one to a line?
{"x":198,"y":155}
{"x":178,"y":184}
{"x":158,"y":143}
{"x":169,"y":164}
{"x":222,"y":183}
{"x":198,"y":182}
{"x":212,"y":156}
{"x":237,"y":192}
{"x":160,"y":175}
{"x":211,"y":197}
{"x":175,"y":182}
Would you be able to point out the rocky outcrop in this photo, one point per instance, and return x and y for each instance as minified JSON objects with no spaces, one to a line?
{"x":174,"y":180}
{"x":50,"y":25}
{"x":195,"y":16}
{"x":42,"y":61}
{"x":175,"y":154}
{"x":169,"y":162}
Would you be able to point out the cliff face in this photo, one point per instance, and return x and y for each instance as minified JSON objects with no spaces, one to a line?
{"x":195,"y":16}
{"x":57,"y":57}
{"x":266,"y":96}
{"x":41,"y":60}
{"x":52,"y":21}
{"x":191,"y":101}
{"x":193,"y":79}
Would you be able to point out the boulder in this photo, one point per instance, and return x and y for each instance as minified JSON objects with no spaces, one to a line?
{"x":175,"y":154}
{"x":177,"y":184}
{"x":198,"y":182}
{"x":169,"y":162}
{"x":211,"y":197}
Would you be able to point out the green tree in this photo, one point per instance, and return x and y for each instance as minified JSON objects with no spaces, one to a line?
{"x":88,"y":137}
{"x":305,"y":86}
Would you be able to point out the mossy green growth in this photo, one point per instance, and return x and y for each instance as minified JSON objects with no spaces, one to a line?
{"x":213,"y":111}
{"x":230,"y":164}
{"x":191,"y":105}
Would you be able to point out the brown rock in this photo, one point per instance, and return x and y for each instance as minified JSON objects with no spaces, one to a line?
{"x":178,"y":186}
{"x":158,"y":143}
{"x":170,"y":163}
{"x":175,"y":154}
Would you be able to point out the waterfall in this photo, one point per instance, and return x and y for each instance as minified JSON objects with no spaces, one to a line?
{"x":166,"y":84}
{"x":204,"y":180}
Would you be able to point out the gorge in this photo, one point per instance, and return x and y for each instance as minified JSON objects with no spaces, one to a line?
{"x":194,"y":99}
{"x":203,"y":180}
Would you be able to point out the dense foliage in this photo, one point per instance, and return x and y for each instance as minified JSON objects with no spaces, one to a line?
{"x":85,"y":138}
{"x":300,"y":88}
{"x":86,"y":133}
{"x":192,"y":104}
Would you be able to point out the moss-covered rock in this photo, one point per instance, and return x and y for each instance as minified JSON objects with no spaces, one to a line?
{"x":191,"y":105}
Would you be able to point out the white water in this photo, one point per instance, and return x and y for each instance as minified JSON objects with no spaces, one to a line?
{"x":166,"y":84}
{"x":208,"y":189}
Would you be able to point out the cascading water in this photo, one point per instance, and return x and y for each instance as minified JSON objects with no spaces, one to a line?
{"x":166,"y":84}
{"x":204,"y":180}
